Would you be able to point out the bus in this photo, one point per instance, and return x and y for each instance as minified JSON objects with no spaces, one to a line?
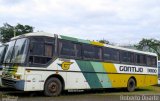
{"x":52,"y":63}
{"x":3,"y":48}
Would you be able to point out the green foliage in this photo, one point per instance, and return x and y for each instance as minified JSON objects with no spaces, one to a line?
{"x":151,"y":45}
{"x":7,"y":31}
{"x":104,"y":41}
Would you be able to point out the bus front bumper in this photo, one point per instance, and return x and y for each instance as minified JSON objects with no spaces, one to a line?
{"x":11,"y":83}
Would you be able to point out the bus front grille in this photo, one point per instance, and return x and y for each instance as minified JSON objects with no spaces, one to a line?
{"x":8,"y":83}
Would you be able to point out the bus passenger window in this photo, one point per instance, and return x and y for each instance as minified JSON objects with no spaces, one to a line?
{"x":141,"y":59}
{"x":48,"y":50}
{"x":91,"y":52}
{"x":154,"y":61}
{"x":151,"y":61}
{"x":110,"y":54}
{"x":41,"y":52}
{"x":37,"y":49}
{"x":69,"y":50}
{"x":127,"y":57}
{"x":78,"y":50}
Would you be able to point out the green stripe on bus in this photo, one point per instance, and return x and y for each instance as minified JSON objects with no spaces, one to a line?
{"x":98,"y":67}
{"x":69,"y":38}
{"x":91,"y":78}
{"x":84,"y":41}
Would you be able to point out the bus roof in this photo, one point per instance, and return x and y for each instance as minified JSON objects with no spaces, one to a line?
{"x":83,"y":41}
{"x":2,"y":44}
{"x":34,"y":34}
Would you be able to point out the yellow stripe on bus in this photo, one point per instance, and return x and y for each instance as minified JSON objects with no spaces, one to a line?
{"x":109,"y":67}
{"x":151,"y":80}
{"x":97,"y":43}
{"x":121,"y":80}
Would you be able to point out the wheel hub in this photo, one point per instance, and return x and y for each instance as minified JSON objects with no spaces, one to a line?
{"x":52,"y":87}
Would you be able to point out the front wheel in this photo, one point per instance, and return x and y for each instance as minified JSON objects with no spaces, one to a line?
{"x":131,"y":85}
{"x":53,"y":87}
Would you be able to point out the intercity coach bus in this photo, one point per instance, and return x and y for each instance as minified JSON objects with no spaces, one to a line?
{"x":53,"y":63}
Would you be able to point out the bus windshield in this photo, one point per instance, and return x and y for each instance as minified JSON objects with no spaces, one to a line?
{"x":17,"y":51}
{"x":2,"y":49}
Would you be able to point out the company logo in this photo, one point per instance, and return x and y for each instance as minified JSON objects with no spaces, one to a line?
{"x":130,"y":69}
{"x":65,"y":65}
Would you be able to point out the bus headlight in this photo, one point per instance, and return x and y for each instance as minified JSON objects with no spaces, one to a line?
{"x":17,"y":77}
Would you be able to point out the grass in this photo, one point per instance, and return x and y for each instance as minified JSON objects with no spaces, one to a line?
{"x":150,"y":90}
{"x":139,"y":91}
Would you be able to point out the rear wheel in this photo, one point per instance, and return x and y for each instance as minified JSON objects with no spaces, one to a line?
{"x":131,"y":85}
{"x":53,"y":87}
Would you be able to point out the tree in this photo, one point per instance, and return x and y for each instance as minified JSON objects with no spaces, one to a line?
{"x":104,"y":41}
{"x":7,"y":31}
{"x":151,"y":45}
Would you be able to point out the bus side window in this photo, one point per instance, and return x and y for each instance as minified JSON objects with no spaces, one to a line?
{"x":92,"y":52}
{"x":69,"y":49}
{"x":37,"y":49}
{"x":48,"y":50}
{"x":140,"y":59}
{"x":41,"y":52}
{"x":78,"y":50}
{"x":127,"y":57}
{"x":151,"y":61}
{"x":110,"y":54}
{"x":154,"y":61}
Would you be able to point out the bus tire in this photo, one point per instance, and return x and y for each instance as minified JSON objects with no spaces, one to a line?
{"x":53,"y":87}
{"x":131,"y":85}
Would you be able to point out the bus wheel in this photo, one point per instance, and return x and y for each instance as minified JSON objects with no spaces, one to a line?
{"x":131,"y":85}
{"x":53,"y":87}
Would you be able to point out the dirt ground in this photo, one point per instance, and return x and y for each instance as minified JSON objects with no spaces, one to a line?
{"x":89,"y":95}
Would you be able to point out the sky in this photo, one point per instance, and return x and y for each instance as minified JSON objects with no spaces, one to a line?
{"x":119,"y":21}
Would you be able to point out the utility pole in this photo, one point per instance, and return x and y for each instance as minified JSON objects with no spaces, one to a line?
{"x":14,"y":30}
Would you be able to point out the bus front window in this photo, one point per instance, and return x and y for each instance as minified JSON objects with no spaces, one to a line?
{"x":9,"y":51}
{"x":17,"y":51}
{"x":2,"y":50}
